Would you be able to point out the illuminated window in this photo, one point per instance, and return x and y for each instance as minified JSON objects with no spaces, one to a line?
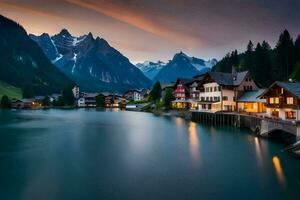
{"x":290,"y":100}
{"x":290,"y":115}
{"x":276,"y":100}
{"x":271,"y":100}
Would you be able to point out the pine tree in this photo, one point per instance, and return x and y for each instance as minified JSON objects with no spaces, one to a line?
{"x":100,"y":101}
{"x":297,"y":49}
{"x":266,"y":64}
{"x":68,"y":97}
{"x":285,"y":55}
{"x":234,"y":58}
{"x":168,"y":97}
{"x":249,"y":55}
{"x":5,"y":102}
{"x":155,"y":93}
{"x":46,"y":101}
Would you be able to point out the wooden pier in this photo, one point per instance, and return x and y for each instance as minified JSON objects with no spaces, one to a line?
{"x":259,"y":125}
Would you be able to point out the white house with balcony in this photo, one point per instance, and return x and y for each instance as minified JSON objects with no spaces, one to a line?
{"x":219,"y":91}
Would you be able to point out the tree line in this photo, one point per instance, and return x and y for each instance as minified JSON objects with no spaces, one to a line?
{"x":265,"y":64}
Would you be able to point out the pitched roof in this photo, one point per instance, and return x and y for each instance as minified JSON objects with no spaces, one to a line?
{"x":184,"y":80}
{"x":133,"y":90}
{"x":240,"y":77}
{"x":292,"y":87}
{"x":252,"y":96}
{"x":227,"y":78}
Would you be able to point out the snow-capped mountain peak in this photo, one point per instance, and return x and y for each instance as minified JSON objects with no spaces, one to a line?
{"x":91,"y":63}
{"x":150,"y":69}
{"x":183,"y":66}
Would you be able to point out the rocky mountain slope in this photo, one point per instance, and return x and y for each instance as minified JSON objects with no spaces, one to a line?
{"x":23,"y":62}
{"x":91,"y":62}
{"x":183,"y":66}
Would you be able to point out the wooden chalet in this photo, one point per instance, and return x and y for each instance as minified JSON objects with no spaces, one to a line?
{"x":283,"y":100}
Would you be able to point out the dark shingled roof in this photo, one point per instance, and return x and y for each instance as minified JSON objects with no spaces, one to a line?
{"x":252,"y":96}
{"x":293,"y":88}
{"x":227,"y":78}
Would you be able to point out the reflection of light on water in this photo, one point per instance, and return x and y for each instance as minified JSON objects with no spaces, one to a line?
{"x":179,"y":121}
{"x":193,"y":141}
{"x":258,"y":150}
{"x":279,"y":171}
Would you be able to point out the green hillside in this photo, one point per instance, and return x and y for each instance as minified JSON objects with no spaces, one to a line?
{"x":23,"y":62}
{"x":10,"y":91}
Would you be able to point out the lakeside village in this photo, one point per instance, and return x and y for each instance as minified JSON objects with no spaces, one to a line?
{"x":211,"y":92}
{"x":215,"y":97}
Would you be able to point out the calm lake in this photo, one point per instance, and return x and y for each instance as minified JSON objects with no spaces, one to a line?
{"x":88,"y":154}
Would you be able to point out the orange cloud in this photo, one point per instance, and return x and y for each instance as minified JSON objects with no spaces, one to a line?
{"x":138,"y":20}
{"x":27,"y":9}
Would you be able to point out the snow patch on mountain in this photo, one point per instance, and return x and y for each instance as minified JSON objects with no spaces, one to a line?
{"x":77,"y":40}
{"x":151,"y":69}
{"x":57,"y":58}
{"x":75,"y":60}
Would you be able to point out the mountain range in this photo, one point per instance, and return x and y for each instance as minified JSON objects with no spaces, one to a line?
{"x":181,"y":65}
{"x":150,"y":69}
{"x":91,"y":62}
{"x":50,"y":63}
{"x":24,"y":63}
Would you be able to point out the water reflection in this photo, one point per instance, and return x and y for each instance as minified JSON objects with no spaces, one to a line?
{"x":179,"y":121}
{"x":279,"y":171}
{"x":258,"y":151}
{"x":193,"y":142}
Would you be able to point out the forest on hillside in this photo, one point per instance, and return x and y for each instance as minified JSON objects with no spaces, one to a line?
{"x":266,"y":65}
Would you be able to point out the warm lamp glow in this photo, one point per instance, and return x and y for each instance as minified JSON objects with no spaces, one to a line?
{"x":193,"y":141}
{"x":279,"y":171}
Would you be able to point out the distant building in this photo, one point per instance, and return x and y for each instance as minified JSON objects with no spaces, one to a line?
{"x":26,"y":104}
{"x":87,"y":100}
{"x":114,"y":101}
{"x":54,"y":97}
{"x":133,"y":95}
{"x":182,"y":94}
{"x":81,"y":102}
{"x":76,"y":92}
{"x":40,"y":99}
{"x":283,"y":100}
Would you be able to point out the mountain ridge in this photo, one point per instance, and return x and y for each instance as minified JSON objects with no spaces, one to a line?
{"x":181,"y":65}
{"x":91,"y":62}
{"x":23,"y":62}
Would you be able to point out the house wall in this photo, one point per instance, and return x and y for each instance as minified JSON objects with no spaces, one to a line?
{"x":137,"y":96}
{"x":251,"y":107}
{"x":81,"y":102}
{"x":209,"y":94}
{"x":229,"y":104}
{"x":247,"y":83}
{"x":282,"y":112}
{"x":180,"y":92}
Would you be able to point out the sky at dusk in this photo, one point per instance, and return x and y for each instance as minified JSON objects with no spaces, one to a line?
{"x":157,"y":29}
